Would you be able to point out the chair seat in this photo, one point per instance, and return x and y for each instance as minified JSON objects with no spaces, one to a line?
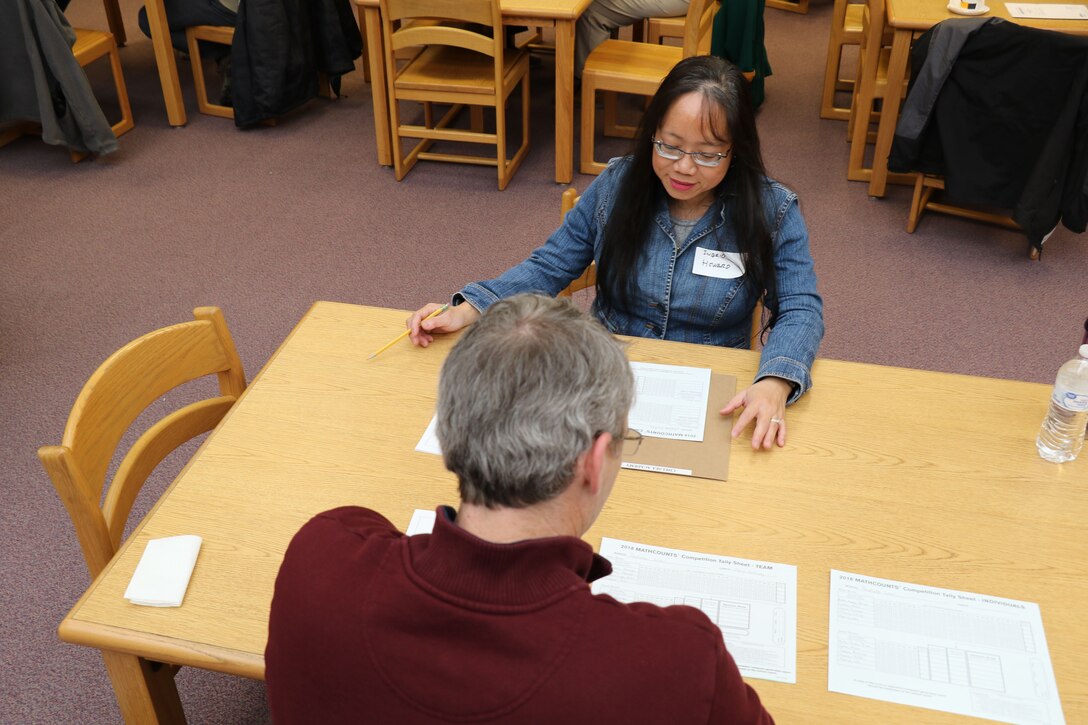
{"x":91,"y":44}
{"x":449,"y":69}
{"x":639,"y":64}
{"x":222,"y":34}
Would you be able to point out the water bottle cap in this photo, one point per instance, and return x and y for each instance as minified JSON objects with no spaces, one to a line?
{"x":1083,"y":351}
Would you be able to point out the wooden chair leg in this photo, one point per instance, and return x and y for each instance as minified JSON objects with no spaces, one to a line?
{"x":589,"y":120}
{"x":126,"y":123}
{"x":858,"y":127}
{"x":611,"y":114}
{"x":917,"y":203}
{"x":113,"y":17}
{"x":145,"y":691}
{"x":198,"y":70}
{"x":500,"y":139}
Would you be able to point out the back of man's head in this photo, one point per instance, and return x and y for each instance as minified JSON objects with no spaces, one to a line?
{"x":523,"y":394}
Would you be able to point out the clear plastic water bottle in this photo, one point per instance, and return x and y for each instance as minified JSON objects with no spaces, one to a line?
{"x":1062,"y":434}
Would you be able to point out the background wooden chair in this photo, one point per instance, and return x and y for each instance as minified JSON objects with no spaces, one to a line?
{"x":221,"y":34}
{"x":623,"y":66}
{"x":870,"y":89}
{"x":461,"y":66}
{"x":589,"y":277}
{"x":846,"y":28}
{"x":115,"y":395}
{"x":224,"y":35}
{"x":90,"y":46}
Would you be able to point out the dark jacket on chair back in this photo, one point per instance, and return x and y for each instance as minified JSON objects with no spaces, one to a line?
{"x":280,"y":46}
{"x":1001,"y":110}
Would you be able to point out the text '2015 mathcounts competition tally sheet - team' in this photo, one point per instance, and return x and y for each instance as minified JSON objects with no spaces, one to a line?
{"x":754,"y":603}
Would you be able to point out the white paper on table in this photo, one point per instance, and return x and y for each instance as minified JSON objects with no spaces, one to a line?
{"x":1047,"y":10}
{"x":670,"y":401}
{"x":754,"y":603}
{"x":162,"y":575}
{"x":429,"y":442}
{"x":422,"y":522}
{"x":941,"y":649}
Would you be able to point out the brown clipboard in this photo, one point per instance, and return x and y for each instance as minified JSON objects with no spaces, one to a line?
{"x":708,"y":458}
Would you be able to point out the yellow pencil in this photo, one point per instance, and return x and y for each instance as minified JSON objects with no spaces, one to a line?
{"x":404,"y":334}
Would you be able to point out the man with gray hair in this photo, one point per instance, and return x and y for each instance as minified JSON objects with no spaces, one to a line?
{"x":490,"y":619}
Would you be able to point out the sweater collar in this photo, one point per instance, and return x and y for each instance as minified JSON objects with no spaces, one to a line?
{"x":451,"y":562}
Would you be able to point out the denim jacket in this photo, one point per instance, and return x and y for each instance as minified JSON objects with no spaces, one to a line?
{"x":675,"y":303}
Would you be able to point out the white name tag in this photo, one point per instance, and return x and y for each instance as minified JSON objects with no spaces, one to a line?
{"x":712,"y":263}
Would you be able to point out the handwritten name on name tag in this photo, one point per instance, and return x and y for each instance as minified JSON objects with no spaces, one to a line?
{"x":712,"y":263}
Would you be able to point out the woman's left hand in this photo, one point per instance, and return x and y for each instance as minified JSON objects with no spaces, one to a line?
{"x":765,"y":403}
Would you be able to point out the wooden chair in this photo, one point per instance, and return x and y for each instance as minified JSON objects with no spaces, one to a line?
{"x":460,"y":66}
{"x":224,"y":35}
{"x":871,"y":86}
{"x":589,"y":277}
{"x":846,"y":28}
{"x":623,"y":66}
{"x":221,"y":34}
{"x":90,"y":46}
{"x":115,"y":395}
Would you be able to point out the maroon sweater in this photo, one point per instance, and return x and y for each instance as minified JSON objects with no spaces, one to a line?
{"x":368,"y":625}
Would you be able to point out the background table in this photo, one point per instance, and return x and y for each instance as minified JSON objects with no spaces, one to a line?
{"x":903,"y":474}
{"x":558,"y":14}
{"x":906,"y":17}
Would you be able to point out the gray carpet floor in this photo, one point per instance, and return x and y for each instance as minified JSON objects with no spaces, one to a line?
{"x":264,"y":222}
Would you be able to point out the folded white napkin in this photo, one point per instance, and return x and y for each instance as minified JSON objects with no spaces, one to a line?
{"x":162,"y":576}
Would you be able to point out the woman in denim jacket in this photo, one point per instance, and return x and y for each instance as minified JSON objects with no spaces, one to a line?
{"x":687,"y":233}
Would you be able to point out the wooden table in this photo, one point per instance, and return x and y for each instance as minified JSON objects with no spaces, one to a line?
{"x":557,"y":14}
{"x":906,"y":17}
{"x":903,"y":474}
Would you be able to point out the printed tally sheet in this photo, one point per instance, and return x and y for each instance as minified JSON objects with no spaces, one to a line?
{"x":940,"y":649}
{"x":754,"y":603}
{"x":670,"y":401}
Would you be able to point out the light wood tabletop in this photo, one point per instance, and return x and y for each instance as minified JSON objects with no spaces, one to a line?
{"x":926,"y":477}
{"x":907,"y":17}
{"x":559,"y":15}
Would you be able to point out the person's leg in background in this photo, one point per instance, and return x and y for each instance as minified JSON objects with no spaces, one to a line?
{"x":603,"y":16}
{"x":180,"y":14}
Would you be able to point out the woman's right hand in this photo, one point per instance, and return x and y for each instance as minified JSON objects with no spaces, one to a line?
{"x":421,"y":331}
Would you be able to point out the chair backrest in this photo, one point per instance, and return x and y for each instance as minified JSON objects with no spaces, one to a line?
{"x":589,"y":277}
{"x":115,"y":395}
{"x":697,"y":26}
{"x":474,"y":25}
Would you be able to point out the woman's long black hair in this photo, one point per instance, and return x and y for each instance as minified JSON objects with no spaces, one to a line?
{"x":628,"y":230}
